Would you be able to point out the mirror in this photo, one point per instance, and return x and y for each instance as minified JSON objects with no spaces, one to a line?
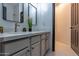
{"x":32,"y":13}
{"x":13,"y":12}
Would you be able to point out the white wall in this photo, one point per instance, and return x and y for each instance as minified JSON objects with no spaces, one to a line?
{"x":63,"y":23}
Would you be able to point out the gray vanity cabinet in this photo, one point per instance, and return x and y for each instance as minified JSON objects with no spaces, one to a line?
{"x":39,"y":45}
{"x":36,"y":45}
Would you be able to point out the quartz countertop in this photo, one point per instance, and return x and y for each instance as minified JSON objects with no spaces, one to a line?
{"x":17,"y":35}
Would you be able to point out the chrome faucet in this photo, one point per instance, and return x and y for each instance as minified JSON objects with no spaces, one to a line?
{"x":16,"y":25}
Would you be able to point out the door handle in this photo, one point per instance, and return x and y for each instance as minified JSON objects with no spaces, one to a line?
{"x":71,"y":27}
{"x":28,"y":50}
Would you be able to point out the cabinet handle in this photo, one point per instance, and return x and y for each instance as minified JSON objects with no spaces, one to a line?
{"x":28,"y":50}
{"x":71,"y":27}
{"x":32,"y":48}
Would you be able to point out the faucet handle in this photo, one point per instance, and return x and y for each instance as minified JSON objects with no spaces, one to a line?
{"x":17,"y":24}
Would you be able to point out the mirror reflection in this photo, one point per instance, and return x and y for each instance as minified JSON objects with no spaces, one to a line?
{"x":32,"y":13}
{"x":13,"y":12}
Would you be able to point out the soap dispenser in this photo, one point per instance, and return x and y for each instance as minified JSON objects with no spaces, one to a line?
{"x":1,"y":29}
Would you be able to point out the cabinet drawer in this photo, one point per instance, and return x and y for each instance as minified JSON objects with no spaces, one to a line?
{"x":24,"y":52}
{"x":15,"y":46}
{"x":35,"y":39}
{"x":36,"y":49}
{"x":43,"y":36}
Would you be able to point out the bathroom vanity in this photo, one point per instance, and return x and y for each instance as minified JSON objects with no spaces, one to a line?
{"x":24,"y":44}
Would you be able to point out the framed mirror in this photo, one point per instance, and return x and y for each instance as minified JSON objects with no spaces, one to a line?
{"x":32,"y":13}
{"x":13,"y":12}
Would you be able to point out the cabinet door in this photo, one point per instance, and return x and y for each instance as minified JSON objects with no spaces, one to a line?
{"x":28,"y":52}
{"x":75,"y":27}
{"x":35,"y":39}
{"x":42,"y":47}
{"x":46,"y":45}
{"x":36,"y":49}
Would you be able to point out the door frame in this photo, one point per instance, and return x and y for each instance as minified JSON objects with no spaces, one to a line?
{"x":53,"y":27}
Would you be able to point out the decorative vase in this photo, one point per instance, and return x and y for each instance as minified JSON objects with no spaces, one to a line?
{"x":30,"y":29}
{"x":30,"y":24}
{"x":24,"y":29}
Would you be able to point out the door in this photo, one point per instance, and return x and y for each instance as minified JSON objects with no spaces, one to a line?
{"x":75,"y":27}
{"x":53,"y":27}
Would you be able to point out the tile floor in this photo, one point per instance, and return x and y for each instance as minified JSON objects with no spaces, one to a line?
{"x":62,"y":50}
